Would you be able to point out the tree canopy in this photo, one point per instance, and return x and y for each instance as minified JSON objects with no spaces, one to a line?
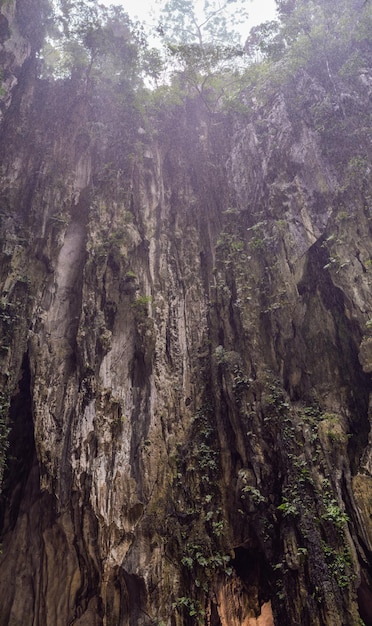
{"x":212,"y":22}
{"x":88,"y":39}
{"x":200,"y":50}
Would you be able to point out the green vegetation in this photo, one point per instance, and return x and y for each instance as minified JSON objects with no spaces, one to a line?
{"x":192,"y":607}
{"x":334,"y":514}
{"x":203,"y":48}
{"x":307,"y":501}
{"x":202,"y":53}
{"x":231,"y":264}
{"x":211,"y":25}
{"x":221,"y":356}
{"x":141,"y":305}
{"x":4,"y":431}
{"x":253,"y":494}
{"x":2,"y":90}
{"x":288,"y":507}
{"x":340,"y":564}
{"x":204,"y":552}
{"x":88,"y":40}
{"x":130,"y":276}
{"x":319,"y":45}
{"x":10,"y":313}
{"x":229,"y":245}
{"x":202,"y":60}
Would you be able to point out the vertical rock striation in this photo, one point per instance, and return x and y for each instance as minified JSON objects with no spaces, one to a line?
{"x":185,"y":358}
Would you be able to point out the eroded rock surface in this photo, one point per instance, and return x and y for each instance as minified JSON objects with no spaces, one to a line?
{"x":186,"y":353}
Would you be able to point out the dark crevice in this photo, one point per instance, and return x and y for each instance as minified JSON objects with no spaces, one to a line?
{"x":365,"y":599}
{"x":87,"y":525}
{"x":317,"y":288}
{"x":21,"y":452}
{"x":251,"y":568}
{"x":140,"y":376}
{"x":134,"y":598}
{"x":214,"y":618}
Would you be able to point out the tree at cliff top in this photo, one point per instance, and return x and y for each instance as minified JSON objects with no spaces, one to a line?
{"x":215,"y":22}
{"x":320,"y":41}
{"x":189,"y":452}
{"x":202,"y":44}
{"x":316,"y":35}
{"x":92,"y":41}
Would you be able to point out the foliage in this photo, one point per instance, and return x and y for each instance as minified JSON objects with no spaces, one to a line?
{"x":9,"y":314}
{"x":4,"y":431}
{"x":339,"y":564}
{"x":254,"y":494}
{"x":197,"y":556}
{"x":220,"y":354}
{"x":319,"y":34}
{"x":141,"y":306}
{"x":313,"y":40}
{"x":204,"y":553}
{"x":192,"y":607}
{"x":184,"y":22}
{"x":202,"y":47}
{"x":202,"y":55}
{"x":91,"y":41}
{"x":288,"y":507}
{"x":209,"y":72}
{"x":264,"y":42}
{"x":334,"y":514}
{"x":130,"y":276}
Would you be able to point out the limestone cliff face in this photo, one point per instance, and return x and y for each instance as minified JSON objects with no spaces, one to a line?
{"x":185,"y":358}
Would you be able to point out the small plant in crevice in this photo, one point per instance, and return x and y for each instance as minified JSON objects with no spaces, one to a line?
{"x":144,"y":323}
{"x":289,"y":507}
{"x":221,"y":356}
{"x":339,"y":564}
{"x":4,"y":431}
{"x":232,"y":260}
{"x":276,"y":403}
{"x":9,"y":314}
{"x":60,"y":219}
{"x":140,"y":306}
{"x":130,"y":276}
{"x":192,"y":607}
{"x":309,"y":503}
{"x":334,"y":514}
{"x":203,"y":550}
{"x":253,"y":494}
{"x":240,"y":382}
{"x":130,"y":283}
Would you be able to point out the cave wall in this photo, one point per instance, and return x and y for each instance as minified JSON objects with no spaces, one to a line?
{"x":185,"y":358}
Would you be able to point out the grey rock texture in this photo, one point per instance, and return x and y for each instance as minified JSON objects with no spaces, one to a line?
{"x":186,"y":358}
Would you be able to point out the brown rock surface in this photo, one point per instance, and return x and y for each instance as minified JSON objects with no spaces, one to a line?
{"x":185,"y":352}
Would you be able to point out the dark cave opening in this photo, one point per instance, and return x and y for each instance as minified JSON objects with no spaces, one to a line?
{"x":133,"y":597}
{"x":214,"y":619}
{"x":317,"y":287}
{"x":365,"y":599}
{"x":250,"y":566}
{"x":21,"y":451}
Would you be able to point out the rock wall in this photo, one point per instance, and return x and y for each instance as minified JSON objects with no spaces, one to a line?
{"x":185,"y":357}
